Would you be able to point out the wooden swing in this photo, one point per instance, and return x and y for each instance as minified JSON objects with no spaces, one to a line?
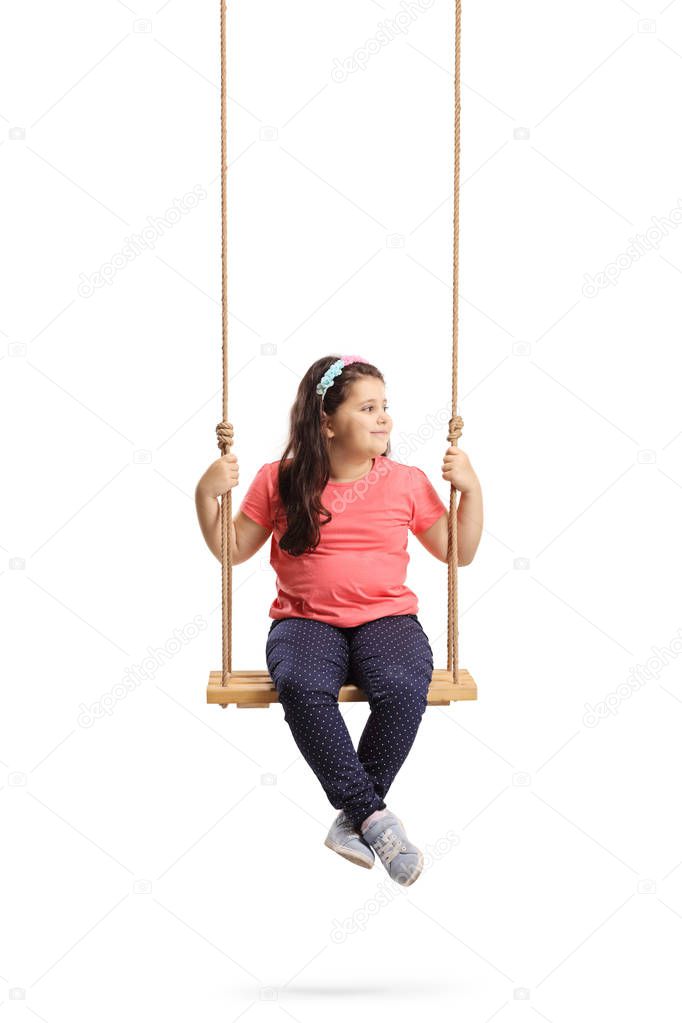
{"x":256,"y":688}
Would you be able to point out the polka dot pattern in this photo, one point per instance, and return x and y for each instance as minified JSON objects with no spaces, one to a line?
{"x":391,"y":659}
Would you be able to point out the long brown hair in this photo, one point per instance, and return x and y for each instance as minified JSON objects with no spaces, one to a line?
{"x":303,"y":477}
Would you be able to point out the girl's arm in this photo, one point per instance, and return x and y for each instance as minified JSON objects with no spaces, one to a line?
{"x":469,"y":529}
{"x":221,"y":476}
{"x":208,"y":513}
{"x":458,"y":471}
{"x":469,"y":524}
{"x":247,"y":536}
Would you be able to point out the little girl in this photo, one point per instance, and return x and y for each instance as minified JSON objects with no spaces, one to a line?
{"x":338,"y":508}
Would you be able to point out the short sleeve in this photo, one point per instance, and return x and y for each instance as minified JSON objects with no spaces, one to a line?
{"x":426,"y":505}
{"x":257,"y":501}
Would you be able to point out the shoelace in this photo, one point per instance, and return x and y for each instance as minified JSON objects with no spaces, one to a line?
{"x":388,"y":845}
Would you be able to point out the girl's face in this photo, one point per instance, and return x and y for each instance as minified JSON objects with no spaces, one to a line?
{"x":361,"y":424}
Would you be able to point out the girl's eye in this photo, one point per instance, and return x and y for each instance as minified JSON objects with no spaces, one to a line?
{"x":368,"y":407}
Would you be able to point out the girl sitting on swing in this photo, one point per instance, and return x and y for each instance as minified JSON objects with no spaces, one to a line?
{"x":338,"y":508}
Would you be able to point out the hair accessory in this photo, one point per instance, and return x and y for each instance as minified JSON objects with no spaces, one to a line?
{"x":337,"y":367}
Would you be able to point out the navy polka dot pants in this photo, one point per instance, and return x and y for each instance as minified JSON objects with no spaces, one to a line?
{"x":392,"y":660}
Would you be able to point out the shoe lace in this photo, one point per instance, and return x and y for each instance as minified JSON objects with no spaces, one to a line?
{"x":388,"y":845}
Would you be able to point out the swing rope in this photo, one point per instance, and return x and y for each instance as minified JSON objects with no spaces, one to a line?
{"x":456,"y":424}
{"x":224,"y":429}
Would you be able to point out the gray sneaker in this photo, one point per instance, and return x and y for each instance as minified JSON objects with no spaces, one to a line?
{"x":403,"y":860}
{"x":345,"y":839}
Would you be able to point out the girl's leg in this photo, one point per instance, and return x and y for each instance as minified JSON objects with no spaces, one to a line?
{"x":391,"y":658}
{"x":308,"y":663}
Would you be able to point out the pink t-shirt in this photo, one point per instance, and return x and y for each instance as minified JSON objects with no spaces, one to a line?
{"x":357,"y":572}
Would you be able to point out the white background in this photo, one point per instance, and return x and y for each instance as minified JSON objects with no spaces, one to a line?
{"x":166,"y":860}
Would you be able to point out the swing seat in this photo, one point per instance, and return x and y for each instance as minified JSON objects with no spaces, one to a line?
{"x":256,"y":689}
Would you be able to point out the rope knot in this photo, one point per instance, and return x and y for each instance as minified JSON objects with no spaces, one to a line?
{"x":456,"y":425}
{"x":225,"y":432}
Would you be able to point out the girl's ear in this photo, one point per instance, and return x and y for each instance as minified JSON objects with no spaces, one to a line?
{"x":326,"y":428}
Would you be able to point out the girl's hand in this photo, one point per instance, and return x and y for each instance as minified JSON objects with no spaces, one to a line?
{"x":221,"y":476}
{"x":458,"y":471}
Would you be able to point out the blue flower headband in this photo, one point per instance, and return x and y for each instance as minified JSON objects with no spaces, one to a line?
{"x":337,"y":367}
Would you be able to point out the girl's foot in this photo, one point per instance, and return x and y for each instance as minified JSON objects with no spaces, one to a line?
{"x":373,"y":816}
{"x":345,"y":839}
{"x":386,"y":835}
